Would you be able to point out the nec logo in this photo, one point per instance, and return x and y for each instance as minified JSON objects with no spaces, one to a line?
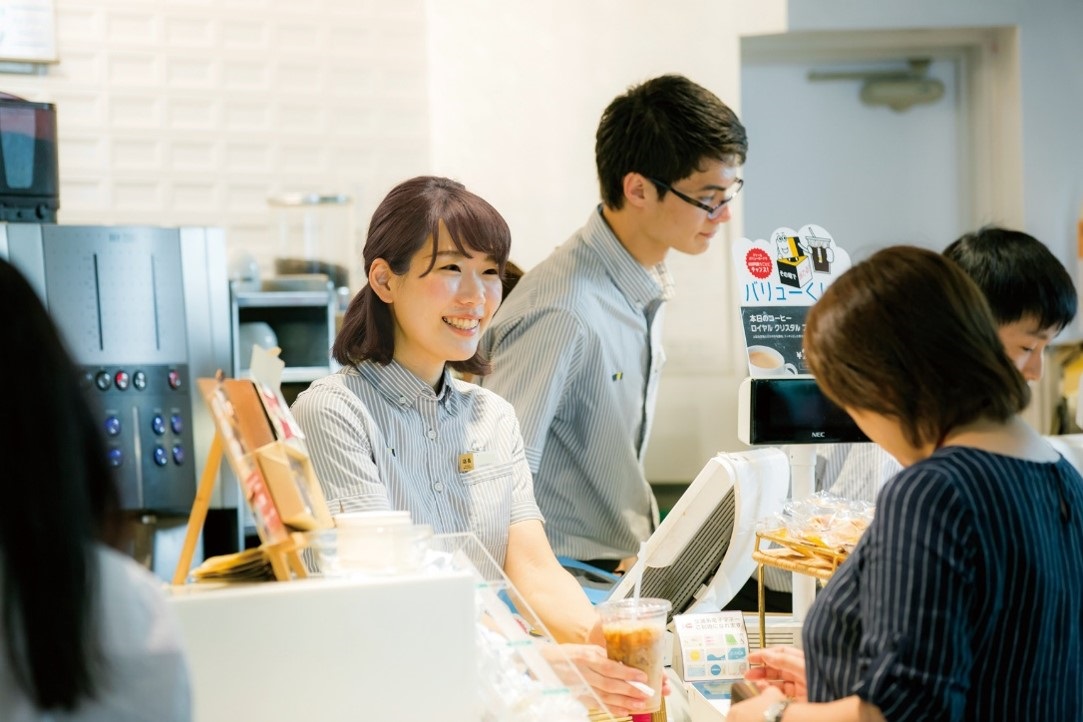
{"x":819,"y":434}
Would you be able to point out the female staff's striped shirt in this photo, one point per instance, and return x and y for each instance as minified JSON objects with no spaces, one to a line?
{"x":964,"y":598}
{"x":380,"y":438}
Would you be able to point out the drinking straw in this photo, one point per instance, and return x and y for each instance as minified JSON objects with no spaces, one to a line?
{"x":641,"y":562}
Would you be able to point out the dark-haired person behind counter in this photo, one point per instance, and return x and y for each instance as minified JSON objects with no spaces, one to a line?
{"x":577,"y":349}
{"x":962,"y":599}
{"x":85,"y":633}
{"x":1032,"y":298}
{"x":387,"y":430}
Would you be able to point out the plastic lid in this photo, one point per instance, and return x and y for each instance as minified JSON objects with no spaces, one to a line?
{"x":355,"y":519}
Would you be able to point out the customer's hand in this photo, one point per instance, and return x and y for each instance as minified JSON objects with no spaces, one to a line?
{"x":752,"y":709}
{"x":782,"y":668}
{"x":609,"y":679}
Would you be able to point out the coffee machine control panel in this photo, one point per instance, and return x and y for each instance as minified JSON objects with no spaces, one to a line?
{"x":145,"y":415}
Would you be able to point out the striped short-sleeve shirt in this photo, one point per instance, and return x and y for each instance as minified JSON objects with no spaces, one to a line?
{"x":380,"y":438}
{"x":855,"y":471}
{"x":577,"y":350}
{"x":964,"y":598}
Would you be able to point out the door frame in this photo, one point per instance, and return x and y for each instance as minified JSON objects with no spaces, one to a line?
{"x":991,"y":163}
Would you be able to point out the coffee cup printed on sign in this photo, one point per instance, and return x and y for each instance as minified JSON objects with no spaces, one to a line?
{"x":766,"y":361}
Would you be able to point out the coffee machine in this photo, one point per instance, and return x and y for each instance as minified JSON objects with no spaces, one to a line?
{"x":145,"y":311}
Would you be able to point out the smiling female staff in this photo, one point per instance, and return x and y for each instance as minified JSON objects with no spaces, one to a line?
{"x":393,"y":429}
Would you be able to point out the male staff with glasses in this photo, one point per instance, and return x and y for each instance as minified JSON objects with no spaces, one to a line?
{"x":577,"y":347}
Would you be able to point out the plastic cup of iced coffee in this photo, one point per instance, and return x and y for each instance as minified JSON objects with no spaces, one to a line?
{"x":635,"y":635}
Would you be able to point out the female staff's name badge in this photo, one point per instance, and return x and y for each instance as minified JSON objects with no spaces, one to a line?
{"x":476,"y":460}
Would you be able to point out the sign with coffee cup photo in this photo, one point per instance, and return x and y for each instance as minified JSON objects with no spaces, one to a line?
{"x":765,"y":361}
{"x":777,"y":281}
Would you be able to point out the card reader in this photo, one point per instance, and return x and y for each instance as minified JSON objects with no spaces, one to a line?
{"x":791,"y":410}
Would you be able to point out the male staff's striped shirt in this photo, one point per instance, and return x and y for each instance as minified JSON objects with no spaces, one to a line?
{"x":964,"y":598}
{"x":856,"y":471}
{"x":577,"y":350}
{"x":380,"y":438}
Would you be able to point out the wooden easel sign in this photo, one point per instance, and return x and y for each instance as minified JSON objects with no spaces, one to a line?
{"x":258,"y":436}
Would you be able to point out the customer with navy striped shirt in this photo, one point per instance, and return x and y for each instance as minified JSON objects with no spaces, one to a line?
{"x":577,"y":349}
{"x":392,"y":429}
{"x":962,"y":601}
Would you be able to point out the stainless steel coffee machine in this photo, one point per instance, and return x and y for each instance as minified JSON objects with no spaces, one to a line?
{"x":145,"y":311}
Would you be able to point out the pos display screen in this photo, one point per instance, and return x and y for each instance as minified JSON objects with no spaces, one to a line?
{"x":791,"y":410}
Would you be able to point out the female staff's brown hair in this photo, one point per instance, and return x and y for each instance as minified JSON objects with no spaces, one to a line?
{"x":404,"y":221}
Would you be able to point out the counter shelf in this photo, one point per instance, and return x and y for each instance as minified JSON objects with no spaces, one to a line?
{"x":793,"y":555}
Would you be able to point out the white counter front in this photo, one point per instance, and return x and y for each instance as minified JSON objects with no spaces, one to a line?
{"x":398,"y":649}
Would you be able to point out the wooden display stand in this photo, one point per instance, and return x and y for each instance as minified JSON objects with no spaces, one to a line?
{"x":257,"y":435}
{"x":283,"y":555}
{"x":795,"y":556}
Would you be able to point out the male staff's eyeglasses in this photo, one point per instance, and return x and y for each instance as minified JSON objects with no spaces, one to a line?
{"x":712,"y":211}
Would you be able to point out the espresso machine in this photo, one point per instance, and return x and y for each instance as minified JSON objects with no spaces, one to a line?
{"x":145,"y":311}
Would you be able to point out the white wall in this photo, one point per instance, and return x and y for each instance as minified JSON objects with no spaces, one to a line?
{"x":1051,"y":59}
{"x":518,"y":88}
{"x":851,"y":168}
{"x":195,"y":111}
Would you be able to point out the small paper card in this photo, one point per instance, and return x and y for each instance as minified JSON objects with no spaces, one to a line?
{"x":711,"y":646}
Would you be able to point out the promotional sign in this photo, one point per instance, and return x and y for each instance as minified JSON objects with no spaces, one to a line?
{"x":712,"y":646}
{"x":777,"y":281}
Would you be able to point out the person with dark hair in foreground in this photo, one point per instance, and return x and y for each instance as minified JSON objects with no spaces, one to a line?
{"x":85,"y":632}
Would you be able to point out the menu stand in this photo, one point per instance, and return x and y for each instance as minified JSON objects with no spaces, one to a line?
{"x":283,"y":555}
{"x":266,"y":463}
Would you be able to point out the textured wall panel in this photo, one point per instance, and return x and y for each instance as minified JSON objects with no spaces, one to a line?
{"x":197,"y":111}
{"x":190,"y":32}
{"x":82,"y":151}
{"x":132,"y":29}
{"x":81,"y":110}
{"x":192,"y":73}
{"x":136,"y":154}
{"x":131,"y":110}
{"x":198,"y":155}
{"x":134,"y":69}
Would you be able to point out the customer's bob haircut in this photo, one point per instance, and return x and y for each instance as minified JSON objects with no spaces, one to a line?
{"x":404,"y":223}
{"x":907,"y":334}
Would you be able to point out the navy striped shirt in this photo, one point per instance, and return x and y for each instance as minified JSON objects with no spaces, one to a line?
{"x":964,"y":598}
{"x":577,"y":350}
{"x":380,"y":438}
